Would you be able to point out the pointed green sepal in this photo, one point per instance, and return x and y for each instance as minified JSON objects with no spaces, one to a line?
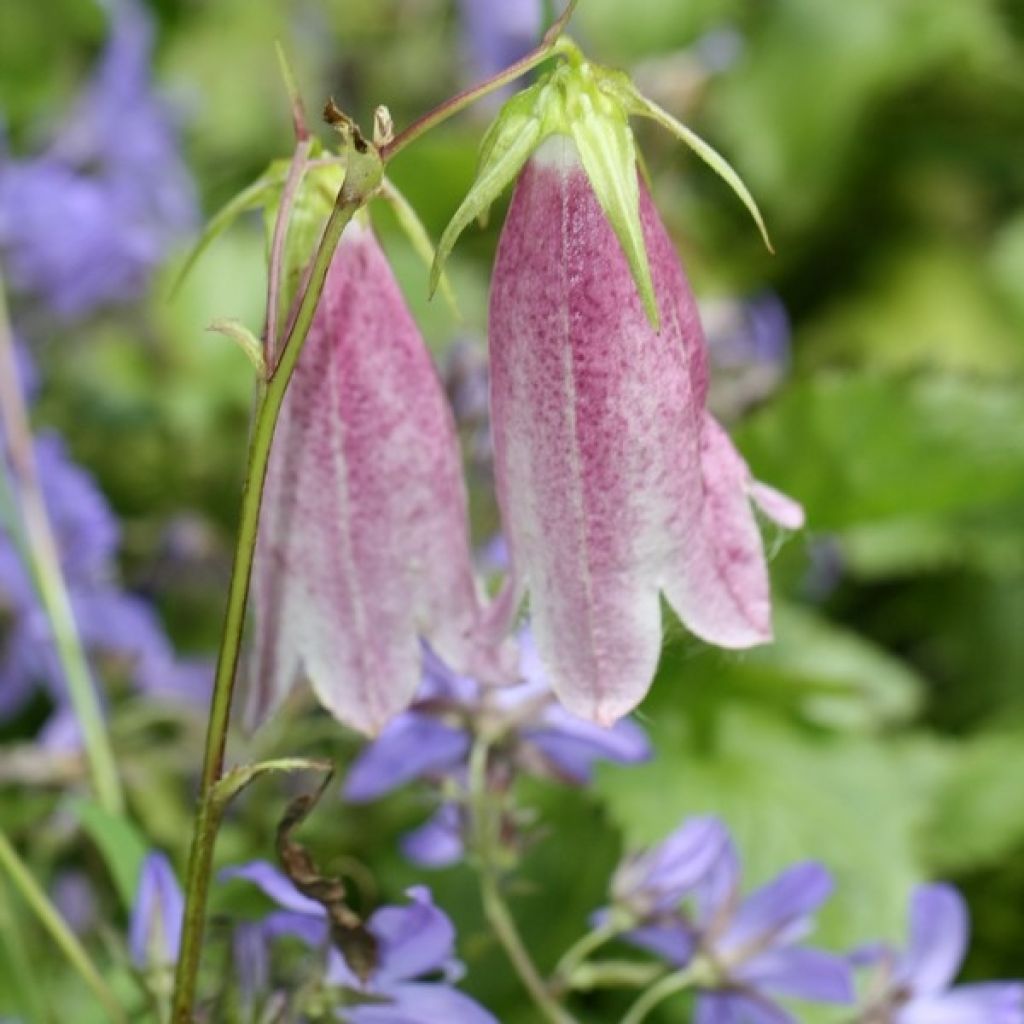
{"x":254,"y":196}
{"x":506,"y":147}
{"x":419,"y":239}
{"x":638,"y":104}
{"x":244,"y":339}
{"x":600,"y":129}
{"x":311,"y":205}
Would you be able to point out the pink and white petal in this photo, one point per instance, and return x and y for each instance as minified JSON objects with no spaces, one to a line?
{"x":567,"y":435}
{"x":720,"y":588}
{"x":778,"y":507}
{"x":364,"y":541}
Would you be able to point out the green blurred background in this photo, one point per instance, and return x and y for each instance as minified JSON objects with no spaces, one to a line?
{"x":884,"y":141}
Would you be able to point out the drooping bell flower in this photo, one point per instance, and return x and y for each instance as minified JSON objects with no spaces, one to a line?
{"x":363,"y":545}
{"x":614,"y":482}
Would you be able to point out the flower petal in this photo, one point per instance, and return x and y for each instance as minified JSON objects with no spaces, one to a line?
{"x":938,"y":939}
{"x":572,"y":745}
{"x":801,"y":974}
{"x":364,"y":541}
{"x":155,"y":929}
{"x":413,"y":940}
{"x":275,"y":885}
{"x":988,"y":1003}
{"x":411,"y":746}
{"x":656,"y":881}
{"x":673,"y":941}
{"x":438,"y":842}
{"x":779,"y":911}
{"x":421,"y":1004}
{"x":732,"y":1008}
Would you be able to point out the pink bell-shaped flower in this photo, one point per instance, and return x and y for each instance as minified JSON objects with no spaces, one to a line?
{"x":363,"y":544}
{"x":615,"y":483}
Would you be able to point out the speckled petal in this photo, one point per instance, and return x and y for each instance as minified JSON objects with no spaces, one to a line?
{"x":363,"y":545}
{"x":613,"y":483}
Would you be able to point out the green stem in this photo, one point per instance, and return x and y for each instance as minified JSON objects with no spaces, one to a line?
{"x":661,"y":990}
{"x":483,"y":832}
{"x":549,"y":45}
{"x":364,"y":176}
{"x":582,"y":949}
{"x":58,"y":929}
{"x":20,"y":971}
{"x":38,"y":541}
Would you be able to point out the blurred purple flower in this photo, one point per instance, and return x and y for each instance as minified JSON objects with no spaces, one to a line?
{"x":748,"y":948}
{"x":654,"y":882}
{"x":155,"y":928}
{"x":413,"y":941}
{"x":531,"y":733}
{"x":749,"y":345}
{"x":84,"y":224}
{"x":75,"y":900}
{"x":433,"y":738}
{"x":916,"y":986}
{"x":114,"y":625}
{"x":466,"y":382}
{"x":498,"y":32}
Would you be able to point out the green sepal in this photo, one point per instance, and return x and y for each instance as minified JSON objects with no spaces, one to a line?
{"x":506,"y":147}
{"x":638,"y":104}
{"x":244,"y":339}
{"x":311,"y":206}
{"x":604,"y":140}
{"x":419,"y":238}
{"x":252,"y":197}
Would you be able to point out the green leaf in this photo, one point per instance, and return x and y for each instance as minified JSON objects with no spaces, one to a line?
{"x":830,"y":675}
{"x":604,"y":139}
{"x":122,"y":847}
{"x":508,"y":147}
{"x":235,"y":780}
{"x":977,"y":817}
{"x":418,"y":237}
{"x":860,"y":448}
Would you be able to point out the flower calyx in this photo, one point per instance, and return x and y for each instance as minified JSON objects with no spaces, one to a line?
{"x":591,"y":105}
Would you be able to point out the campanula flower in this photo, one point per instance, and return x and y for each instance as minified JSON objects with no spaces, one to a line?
{"x":681,"y":901}
{"x":156,"y":919}
{"x":615,"y":483}
{"x":413,"y":941}
{"x":754,"y":943}
{"x":363,"y":544}
{"x":916,"y":986}
{"x":528,"y":729}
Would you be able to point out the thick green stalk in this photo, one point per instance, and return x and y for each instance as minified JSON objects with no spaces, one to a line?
{"x":38,"y":542}
{"x":61,"y":934}
{"x":363,"y":177}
